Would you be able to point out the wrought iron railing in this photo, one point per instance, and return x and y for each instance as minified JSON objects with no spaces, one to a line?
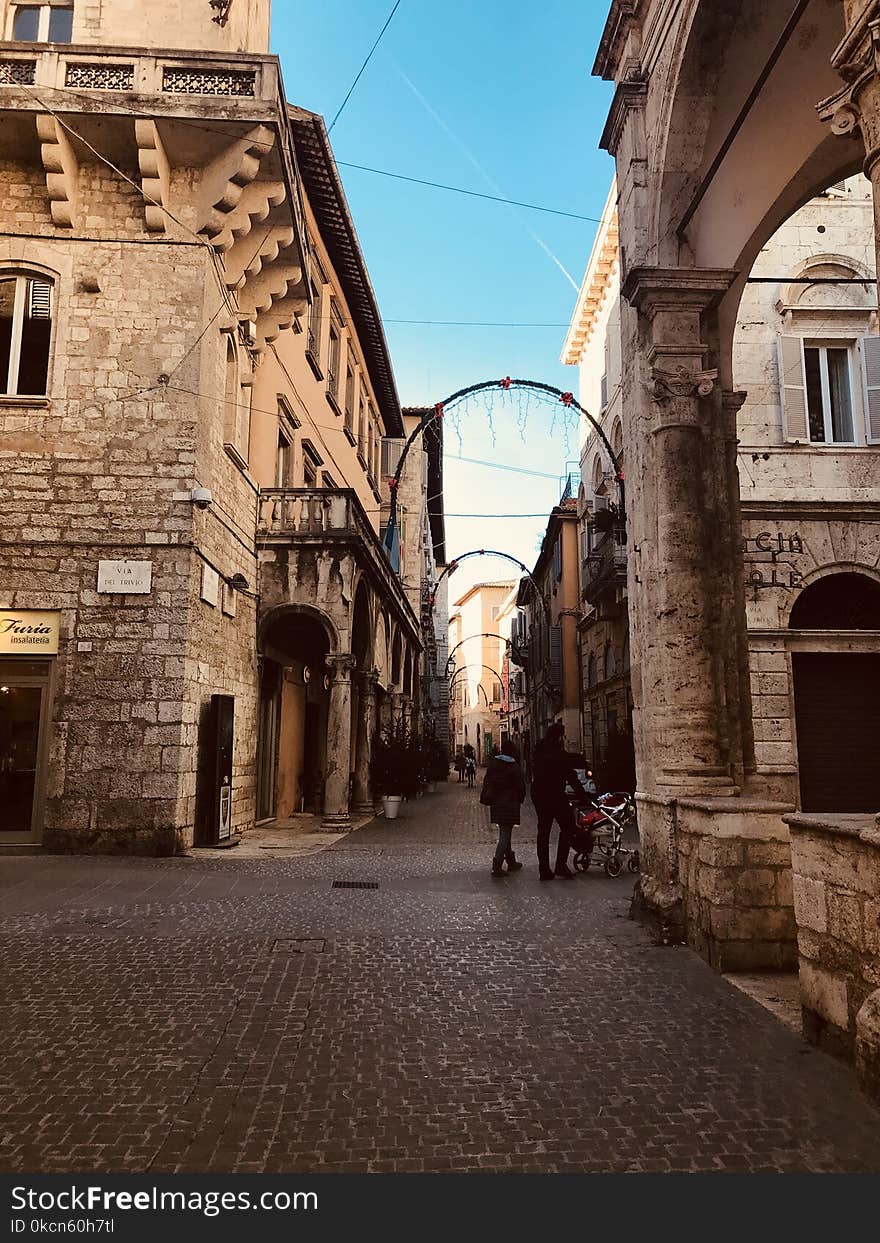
{"x":605,"y":565}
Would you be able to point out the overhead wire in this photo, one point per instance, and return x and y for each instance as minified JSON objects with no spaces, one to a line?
{"x":476,"y":194}
{"x":380,"y":172}
{"x":367,"y":60}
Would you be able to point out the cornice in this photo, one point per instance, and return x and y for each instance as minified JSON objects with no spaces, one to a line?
{"x":629,"y":95}
{"x":620,"y":21}
{"x":654,"y":289}
{"x":598,"y":279}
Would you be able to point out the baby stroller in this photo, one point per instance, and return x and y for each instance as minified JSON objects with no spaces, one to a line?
{"x":599,"y":827}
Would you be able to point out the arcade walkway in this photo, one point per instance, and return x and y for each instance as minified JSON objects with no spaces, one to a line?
{"x":245,"y":1015}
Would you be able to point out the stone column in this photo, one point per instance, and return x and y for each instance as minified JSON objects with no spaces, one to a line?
{"x":685,"y":625}
{"x":366,"y":727}
{"x":857,"y":105}
{"x":336,"y":816}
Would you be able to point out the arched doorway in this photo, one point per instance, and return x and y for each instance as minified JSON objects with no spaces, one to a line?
{"x":294,"y":699}
{"x":837,"y":693}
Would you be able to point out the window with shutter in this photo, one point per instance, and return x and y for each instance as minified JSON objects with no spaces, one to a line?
{"x":392,"y":448}
{"x":793,"y":389}
{"x":25,"y":334}
{"x":555,"y":662}
{"x":869,"y":348}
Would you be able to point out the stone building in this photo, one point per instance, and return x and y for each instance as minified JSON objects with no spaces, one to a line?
{"x":546,"y":648}
{"x":811,"y":290}
{"x":422,"y":555}
{"x":477,"y":652}
{"x":199,"y":621}
{"x":727,"y":119}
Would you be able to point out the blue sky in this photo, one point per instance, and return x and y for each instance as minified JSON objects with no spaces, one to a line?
{"x":489,"y":96}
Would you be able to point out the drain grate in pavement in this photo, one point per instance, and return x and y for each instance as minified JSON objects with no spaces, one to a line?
{"x":355,"y":884}
{"x":298,"y":945}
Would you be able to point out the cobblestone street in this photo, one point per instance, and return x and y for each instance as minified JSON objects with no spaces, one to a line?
{"x":241,"y":1014}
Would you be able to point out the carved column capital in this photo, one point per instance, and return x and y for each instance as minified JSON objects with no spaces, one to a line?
{"x":857,"y":105}
{"x":667,"y":385}
{"x":340,"y":666}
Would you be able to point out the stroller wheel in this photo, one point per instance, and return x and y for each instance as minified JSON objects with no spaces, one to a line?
{"x":581,"y":861}
{"x":634,"y":863}
{"x":613,"y":866}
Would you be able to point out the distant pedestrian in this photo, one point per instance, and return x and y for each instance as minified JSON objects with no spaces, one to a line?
{"x":552,"y":769}
{"x":471,"y":771}
{"x":460,"y":764}
{"x":504,"y":789}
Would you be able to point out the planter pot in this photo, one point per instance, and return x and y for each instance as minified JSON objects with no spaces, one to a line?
{"x":391,"y":805}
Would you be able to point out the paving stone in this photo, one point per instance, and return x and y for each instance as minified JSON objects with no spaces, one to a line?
{"x":242,"y":1015}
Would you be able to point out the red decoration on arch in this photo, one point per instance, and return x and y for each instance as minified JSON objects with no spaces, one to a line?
{"x":506,"y":382}
{"x":621,"y":476}
{"x":438,"y":410}
{"x":567,"y":399}
{"x":393,"y":485}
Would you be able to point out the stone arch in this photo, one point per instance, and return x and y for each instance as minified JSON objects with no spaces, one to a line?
{"x":305,"y":610}
{"x":781,"y":157}
{"x":381,"y":653}
{"x":837,"y":598}
{"x":363,"y":636}
{"x":794,"y":295}
{"x":396,"y":657}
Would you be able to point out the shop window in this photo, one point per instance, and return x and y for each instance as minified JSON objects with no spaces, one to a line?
{"x":25,"y":334}
{"x":42,"y":23}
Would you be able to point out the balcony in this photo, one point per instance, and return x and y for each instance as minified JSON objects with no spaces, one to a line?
{"x":147,"y":111}
{"x":604,"y":569}
{"x":301,"y":531}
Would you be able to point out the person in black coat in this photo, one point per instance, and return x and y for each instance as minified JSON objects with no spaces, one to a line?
{"x":552,"y":770}
{"x":504,"y":789}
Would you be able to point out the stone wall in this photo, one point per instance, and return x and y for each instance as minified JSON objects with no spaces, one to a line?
{"x":735,"y":872}
{"x":102,"y":469}
{"x":836,"y":865}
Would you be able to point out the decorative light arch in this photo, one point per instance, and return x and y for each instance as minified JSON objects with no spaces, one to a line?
{"x":486,"y":552}
{"x":436,"y":413}
{"x":458,"y":672}
{"x":485,"y":634}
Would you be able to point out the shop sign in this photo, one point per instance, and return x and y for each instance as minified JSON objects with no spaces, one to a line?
{"x":33,"y":633}
{"x":762,"y":559}
{"x":125,"y":578}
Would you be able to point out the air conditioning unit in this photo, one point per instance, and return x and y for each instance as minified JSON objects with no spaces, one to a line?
{"x":248,"y":332}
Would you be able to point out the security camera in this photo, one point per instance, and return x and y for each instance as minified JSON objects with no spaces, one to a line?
{"x":201,"y":497}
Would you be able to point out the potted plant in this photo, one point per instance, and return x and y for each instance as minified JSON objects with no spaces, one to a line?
{"x":390,"y":770}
